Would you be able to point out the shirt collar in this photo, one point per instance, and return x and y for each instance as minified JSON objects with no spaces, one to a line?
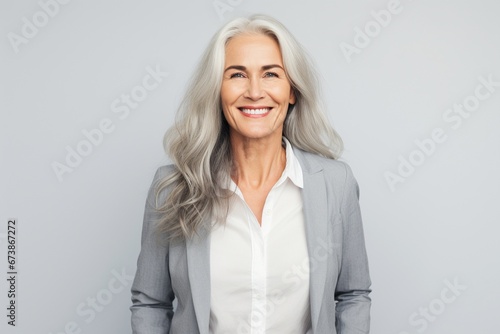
{"x":292,"y":168}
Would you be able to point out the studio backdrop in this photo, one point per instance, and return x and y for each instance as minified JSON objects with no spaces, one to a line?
{"x":88,"y":89}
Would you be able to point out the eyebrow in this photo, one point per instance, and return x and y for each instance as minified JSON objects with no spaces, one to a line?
{"x":243,"y":68}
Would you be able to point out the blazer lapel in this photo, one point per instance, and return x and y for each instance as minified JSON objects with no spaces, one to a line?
{"x":198,"y":260}
{"x":315,"y":215}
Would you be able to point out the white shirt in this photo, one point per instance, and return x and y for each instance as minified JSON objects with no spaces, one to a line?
{"x":260,"y":274}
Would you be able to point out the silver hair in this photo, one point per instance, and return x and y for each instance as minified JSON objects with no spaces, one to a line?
{"x":199,"y":144}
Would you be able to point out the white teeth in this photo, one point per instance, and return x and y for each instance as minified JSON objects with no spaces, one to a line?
{"x":255,"y":111}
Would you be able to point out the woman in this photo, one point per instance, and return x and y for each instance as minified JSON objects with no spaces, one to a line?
{"x":256,"y":227}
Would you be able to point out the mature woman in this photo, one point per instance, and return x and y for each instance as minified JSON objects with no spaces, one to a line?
{"x":256,"y":227}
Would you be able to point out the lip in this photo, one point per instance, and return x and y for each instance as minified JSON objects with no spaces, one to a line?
{"x":255,"y":115}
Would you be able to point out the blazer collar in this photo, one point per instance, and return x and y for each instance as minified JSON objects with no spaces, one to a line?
{"x":307,"y":161}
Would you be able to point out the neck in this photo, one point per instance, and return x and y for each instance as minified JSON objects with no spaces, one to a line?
{"x":258,"y":163}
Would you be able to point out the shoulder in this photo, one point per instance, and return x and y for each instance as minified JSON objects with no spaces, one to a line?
{"x":158,"y":188}
{"x":164,"y":171}
{"x":337,"y":175}
{"x":312,"y":163}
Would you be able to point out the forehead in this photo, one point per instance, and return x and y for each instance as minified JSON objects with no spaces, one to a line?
{"x":253,"y":48}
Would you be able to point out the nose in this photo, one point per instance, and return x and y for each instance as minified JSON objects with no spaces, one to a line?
{"x":254,"y":90}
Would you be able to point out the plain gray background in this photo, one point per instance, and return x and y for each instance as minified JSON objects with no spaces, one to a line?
{"x":79,"y":234}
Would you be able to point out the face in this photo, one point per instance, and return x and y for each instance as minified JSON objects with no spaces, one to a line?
{"x":255,"y":91}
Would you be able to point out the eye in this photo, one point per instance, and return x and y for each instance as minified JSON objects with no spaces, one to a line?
{"x":237,"y":75}
{"x":271,"y":75}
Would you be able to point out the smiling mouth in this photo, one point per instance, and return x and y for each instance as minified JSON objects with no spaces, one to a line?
{"x":257,"y":111}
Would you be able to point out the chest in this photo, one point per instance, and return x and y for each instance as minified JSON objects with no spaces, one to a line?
{"x":256,"y":266}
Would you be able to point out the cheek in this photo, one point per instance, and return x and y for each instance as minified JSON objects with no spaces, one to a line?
{"x":230,"y":92}
{"x":225,"y":112}
{"x":229,"y":114}
{"x":223,"y":95}
{"x":281,"y":93}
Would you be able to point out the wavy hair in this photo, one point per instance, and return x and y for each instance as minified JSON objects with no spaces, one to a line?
{"x":199,"y":145}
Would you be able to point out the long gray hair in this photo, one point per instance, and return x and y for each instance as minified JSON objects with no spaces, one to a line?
{"x":199,"y":144}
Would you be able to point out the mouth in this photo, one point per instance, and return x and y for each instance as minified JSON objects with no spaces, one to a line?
{"x":251,"y":111}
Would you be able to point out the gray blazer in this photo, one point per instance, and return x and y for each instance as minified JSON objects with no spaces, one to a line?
{"x":339,"y":279}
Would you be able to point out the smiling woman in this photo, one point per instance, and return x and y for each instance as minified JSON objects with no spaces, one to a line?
{"x":256,"y":227}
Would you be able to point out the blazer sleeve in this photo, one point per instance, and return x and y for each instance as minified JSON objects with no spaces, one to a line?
{"x":152,"y":294}
{"x":353,"y":284}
